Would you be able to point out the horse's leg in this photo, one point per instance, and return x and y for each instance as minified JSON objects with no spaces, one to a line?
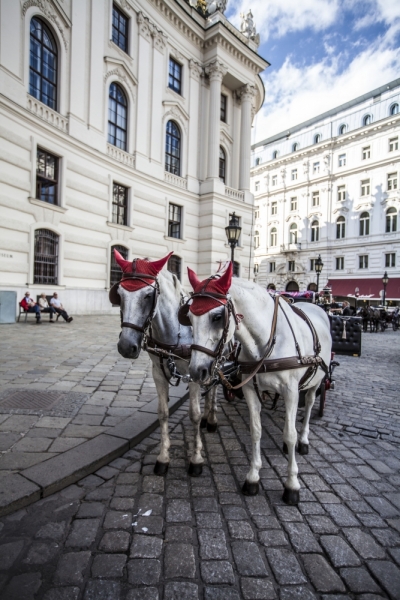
{"x":162,"y":387}
{"x":251,"y":484}
{"x":292,"y":486}
{"x":212,"y":414}
{"x":303,"y":444}
{"x":207,"y":408}
{"x":196,"y":460}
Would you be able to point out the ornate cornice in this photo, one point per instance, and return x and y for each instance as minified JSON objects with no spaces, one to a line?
{"x":149,"y":30}
{"x":49,"y":12}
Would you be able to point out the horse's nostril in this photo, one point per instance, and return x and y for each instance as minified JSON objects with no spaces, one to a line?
{"x":134,"y":349}
{"x":203,"y":374}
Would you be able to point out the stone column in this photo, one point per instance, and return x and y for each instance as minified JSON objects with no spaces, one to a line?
{"x":144,"y":81}
{"x":216,"y":71}
{"x":194,"y":99}
{"x":246,"y":93}
{"x":156,"y":137}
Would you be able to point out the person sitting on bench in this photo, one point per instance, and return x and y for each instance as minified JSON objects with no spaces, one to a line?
{"x":30,"y":306}
{"x":45,"y":308}
{"x":58,"y":307}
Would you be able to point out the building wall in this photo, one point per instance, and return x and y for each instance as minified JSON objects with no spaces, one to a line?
{"x":323,"y":167}
{"x":77,"y":132}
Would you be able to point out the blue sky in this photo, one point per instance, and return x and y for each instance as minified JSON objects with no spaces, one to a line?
{"x":322,"y":54}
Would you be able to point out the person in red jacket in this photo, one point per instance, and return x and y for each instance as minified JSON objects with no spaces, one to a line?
{"x":30,"y":306}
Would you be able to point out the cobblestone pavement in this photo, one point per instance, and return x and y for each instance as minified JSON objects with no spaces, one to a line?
{"x":80,"y":363}
{"x":125,"y":534}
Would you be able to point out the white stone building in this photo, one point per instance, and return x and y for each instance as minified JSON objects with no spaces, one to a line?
{"x":122,"y":123}
{"x":330,"y":187}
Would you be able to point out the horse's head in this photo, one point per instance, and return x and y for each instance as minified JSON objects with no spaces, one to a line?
{"x":137,"y":295}
{"x":211,"y":316}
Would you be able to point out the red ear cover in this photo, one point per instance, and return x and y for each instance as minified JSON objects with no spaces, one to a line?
{"x":142,"y":267}
{"x":157,"y":265}
{"x":220,"y":285}
{"x":194,"y":280}
{"x":125,"y":265}
{"x":225,"y":281}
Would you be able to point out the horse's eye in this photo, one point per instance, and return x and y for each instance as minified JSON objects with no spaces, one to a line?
{"x":216,"y":318}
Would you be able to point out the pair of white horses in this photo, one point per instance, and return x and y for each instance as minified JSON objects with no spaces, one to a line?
{"x":161,"y":299}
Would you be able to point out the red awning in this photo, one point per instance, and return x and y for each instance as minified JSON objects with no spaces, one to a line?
{"x":366,"y":287}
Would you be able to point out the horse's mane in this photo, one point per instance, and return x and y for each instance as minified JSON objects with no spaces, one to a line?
{"x":166,"y":278}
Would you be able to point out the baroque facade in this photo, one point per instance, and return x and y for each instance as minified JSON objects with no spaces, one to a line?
{"x":330,"y":187}
{"x":123,"y":124}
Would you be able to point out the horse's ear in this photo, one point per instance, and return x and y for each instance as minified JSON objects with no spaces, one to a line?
{"x":125,"y":265}
{"x":157,"y":265}
{"x":194,"y":280}
{"x":225,"y":281}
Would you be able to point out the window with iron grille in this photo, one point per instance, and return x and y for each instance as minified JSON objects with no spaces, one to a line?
{"x":366,"y":152}
{"x":175,"y":76}
{"x":174,"y":221}
{"x":291,"y":266}
{"x":236,"y":269}
{"x":174,"y":266}
{"x":293,"y":203}
{"x":43,"y":64}
{"x":272,"y":266}
{"x":391,"y":220}
{"x":223,"y":108}
{"x":120,"y":204}
{"x":117,"y":117}
{"x":393,"y":144}
{"x":115,"y":269}
{"x":365,"y":187}
{"x":173,"y":149}
{"x":363,"y":261}
{"x":46,"y":177}
{"x":46,"y":257}
{"x":392,"y":181}
{"x":390,"y":259}
{"x":341,"y":193}
{"x":120,"y":28}
{"x":222,"y":164}
{"x":315,"y":198}
{"x":339,"y":263}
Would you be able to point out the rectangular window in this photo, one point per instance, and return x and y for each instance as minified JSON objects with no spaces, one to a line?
{"x":46,"y":177}
{"x":175,"y":76}
{"x":257,"y":186}
{"x":293,"y":203}
{"x":120,"y":204}
{"x":294,"y":174}
{"x":392,"y":181}
{"x":291,"y":265}
{"x":256,"y":213}
{"x":274,"y":208}
{"x":363,"y":261}
{"x":315,"y":199}
{"x":390,"y":259}
{"x":274,"y":179}
{"x":223,"y":108}
{"x":272,"y":266}
{"x":341,"y":193}
{"x":316,"y":167}
{"x":365,"y":187}
{"x":174,"y":221}
{"x":120,"y":27}
{"x":340,"y":263}
{"x":366,"y":152}
{"x":312,"y":264}
{"x":342,"y":160}
{"x":393,"y":144}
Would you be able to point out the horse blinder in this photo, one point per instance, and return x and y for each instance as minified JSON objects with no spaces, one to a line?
{"x":183,"y":315}
{"x":113,"y":295}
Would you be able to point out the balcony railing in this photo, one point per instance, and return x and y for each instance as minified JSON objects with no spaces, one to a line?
{"x":180,"y":182}
{"x":234,"y":194}
{"x":290,"y":247}
{"x":49,"y":115}
{"x":121,"y":156}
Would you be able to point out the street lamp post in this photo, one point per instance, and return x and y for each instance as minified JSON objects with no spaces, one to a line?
{"x":318,"y":268}
{"x":233,"y":234}
{"x":385,"y":280}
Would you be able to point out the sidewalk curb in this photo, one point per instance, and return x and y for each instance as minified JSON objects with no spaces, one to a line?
{"x":21,"y":489}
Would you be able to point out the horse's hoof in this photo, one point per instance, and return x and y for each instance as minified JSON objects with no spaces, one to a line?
{"x":212,"y":427}
{"x":160,"y":468}
{"x":250,"y":489}
{"x":302,"y":448}
{"x":203,"y":423}
{"x":285,"y":448}
{"x":291,"y":497}
{"x":195,"y":470}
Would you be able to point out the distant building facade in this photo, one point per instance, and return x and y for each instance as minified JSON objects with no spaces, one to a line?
{"x":124,"y":124}
{"x":330,"y":187}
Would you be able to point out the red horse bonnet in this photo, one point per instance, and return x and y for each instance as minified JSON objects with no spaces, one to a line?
{"x":221,"y":285}
{"x":139,"y":267}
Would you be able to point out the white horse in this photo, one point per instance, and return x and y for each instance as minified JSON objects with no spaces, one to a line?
{"x":159,"y":307}
{"x":255,"y":306}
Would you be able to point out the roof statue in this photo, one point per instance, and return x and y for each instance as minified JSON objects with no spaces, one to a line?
{"x":248,"y":28}
{"x":208,"y":7}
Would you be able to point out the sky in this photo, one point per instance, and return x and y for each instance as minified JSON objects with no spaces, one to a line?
{"x":322,"y":53}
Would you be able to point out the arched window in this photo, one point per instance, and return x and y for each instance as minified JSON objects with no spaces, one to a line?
{"x":312,"y":287}
{"x":174,"y":266}
{"x":394,"y":109}
{"x":340,"y":228}
{"x":115,"y":269}
{"x":342,"y":129}
{"x":271,"y":286}
{"x":46,"y":257}
{"x":292,"y":286}
{"x":256,"y":239}
{"x":117,"y":117}
{"x":257,"y":161}
{"x":367,"y":120}
{"x":293,"y":234}
{"x":317,"y":138}
{"x":391,"y":220}
{"x":274,"y":237}
{"x":295,"y":147}
{"x":173,"y":149}
{"x":315,"y":231}
{"x":275,"y":154}
{"x":43,"y":64}
{"x":364,"y":223}
{"x":236,"y":269}
{"x":222,"y":164}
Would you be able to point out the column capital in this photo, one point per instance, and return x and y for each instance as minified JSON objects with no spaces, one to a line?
{"x":216,"y":70}
{"x":247,"y":92}
{"x":196,"y":70}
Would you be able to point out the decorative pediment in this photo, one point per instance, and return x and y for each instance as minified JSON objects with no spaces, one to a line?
{"x":364,"y":205}
{"x":53,"y":13}
{"x":312,"y":215}
{"x":341,"y":209}
{"x":117,"y":68}
{"x":225,"y":137}
{"x":276,"y":222}
{"x":175,"y":111}
{"x":292,"y":217}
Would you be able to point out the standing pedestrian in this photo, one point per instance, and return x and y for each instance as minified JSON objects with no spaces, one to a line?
{"x":58,"y":307}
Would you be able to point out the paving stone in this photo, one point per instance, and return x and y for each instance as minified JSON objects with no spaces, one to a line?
{"x":52,"y":531}
{"x":108,"y":566}
{"x":83,"y":533}
{"x":288,"y":513}
{"x":300,"y":593}
{"x":272,"y":537}
{"x":234,"y":513}
{"x":359,"y":580}
{"x":341,"y":515}
{"x":285,"y":566}
{"x":71,"y":568}
{"x":146,"y":547}
{"x":42,"y":553}
{"x":90,"y":509}
{"x":364,"y":544}
{"x":117,"y":520}
{"x":22,"y":587}
{"x":320,"y":524}
{"x":179,"y":533}
{"x":115,"y":541}
{"x":208,"y":520}
{"x":205,"y":505}
{"x":301,"y":537}
{"x":179,"y":561}
{"x":322,"y":576}
{"x":217,"y":572}
{"x":102,"y":590}
{"x":9,"y":553}
{"x":181,"y":591}
{"x":383,"y":507}
{"x":149,"y":525}
{"x":107,"y":472}
{"x":257,"y":589}
{"x":388,"y":576}
{"x":178,"y":511}
{"x":212,"y":544}
{"x":257,"y":505}
{"x":64,"y":593}
{"x":240,"y":530}
{"x":153,"y":484}
{"x":144,"y":571}
{"x":148,"y":593}
{"x":386,"y":537}
{"x":218,"y":593}
{"x":339,"y":552}
{"x":122,"y":503}
{"x":248,"y":559}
